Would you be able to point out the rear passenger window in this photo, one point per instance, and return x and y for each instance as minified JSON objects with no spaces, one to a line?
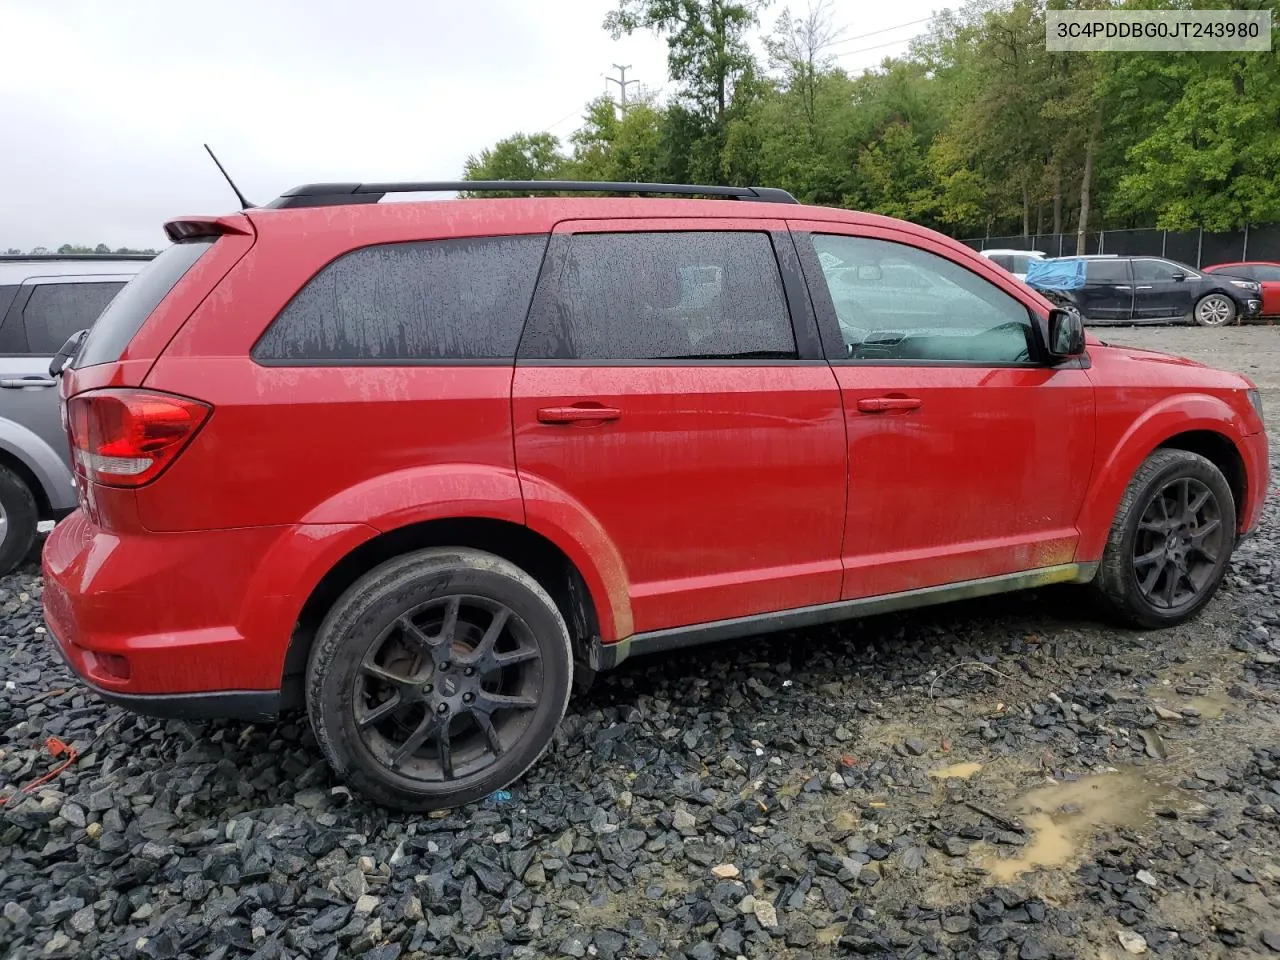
{"x":1106,"y":271}
{"x":697,"y":295}
{"x":410,"y":302}
{"x":57,"y":310}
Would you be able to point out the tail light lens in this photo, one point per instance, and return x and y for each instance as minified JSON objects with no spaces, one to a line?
{"x":125,"y":438}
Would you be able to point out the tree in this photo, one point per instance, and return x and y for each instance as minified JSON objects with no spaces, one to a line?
{"x":520,"y":157}
{"x":797,"y":48}
{"x":706,"y":43}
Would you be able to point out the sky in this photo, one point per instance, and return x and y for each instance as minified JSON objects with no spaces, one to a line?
{"x":105,"y":106}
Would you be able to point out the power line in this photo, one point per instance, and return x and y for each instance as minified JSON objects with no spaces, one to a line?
{"x":874,"y":33}
{"x":878,"y":46}
{"x":623,"y":83}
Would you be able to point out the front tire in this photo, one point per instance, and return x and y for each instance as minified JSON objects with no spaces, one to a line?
{"x":1215,"y":310}
{"x":438,"y":678}
{"x":18,"y":520}
{"x":1170,"y":543}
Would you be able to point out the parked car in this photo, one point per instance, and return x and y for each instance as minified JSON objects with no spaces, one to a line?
{"x":417,"y":466}
{"x":1265,"y":273}
{"x":1015,"y":261}
{"x":43,"y":300}
{"x":1153,"y":290}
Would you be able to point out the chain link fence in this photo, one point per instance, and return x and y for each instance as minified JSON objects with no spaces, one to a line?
{"x":1197,"y":248}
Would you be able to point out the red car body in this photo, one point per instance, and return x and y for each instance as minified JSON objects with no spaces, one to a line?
{"x":722,"y":495}
{"x":1265,"y":272}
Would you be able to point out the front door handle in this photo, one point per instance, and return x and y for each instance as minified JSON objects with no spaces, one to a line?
{"x":578,"y":414}
{"x":885,"y":404}
{"x":18,"y":383}
{"x":1141,"y":287}
{"x":1122,"y":286}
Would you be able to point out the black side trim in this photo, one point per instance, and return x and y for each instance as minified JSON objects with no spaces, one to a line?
{"x":606,"y":656}
{"x":222,"y":705}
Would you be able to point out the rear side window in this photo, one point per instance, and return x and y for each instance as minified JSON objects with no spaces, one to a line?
{"x":1106,"y":271}
{"x":437,"y":300}
{"x":57,"y":310}
{"x":697,"y":295}
{"x":1264,"y":272}
{"x":1001,"y":260}
{"x":125,"y":315}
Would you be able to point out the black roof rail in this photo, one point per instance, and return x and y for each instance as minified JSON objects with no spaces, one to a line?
{"x":334,"y":194}
{"x":10,"y":257}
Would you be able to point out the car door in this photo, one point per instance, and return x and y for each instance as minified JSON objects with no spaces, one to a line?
{"x":1267,"y":274}
{"x":40,"y":318}
{"x":664,"y":396}
{"x":969,"y":455}
{"x":1160,"y":289}
{"x":1107,"y":293}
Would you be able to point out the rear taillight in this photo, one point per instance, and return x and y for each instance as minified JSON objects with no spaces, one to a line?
{"x":125,"y":438}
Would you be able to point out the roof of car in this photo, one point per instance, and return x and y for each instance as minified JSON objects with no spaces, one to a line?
{"x":1009,"y":250}
{"x":1243,"y":263}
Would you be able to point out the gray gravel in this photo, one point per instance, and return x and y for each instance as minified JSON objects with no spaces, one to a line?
{"x":865,"y":789}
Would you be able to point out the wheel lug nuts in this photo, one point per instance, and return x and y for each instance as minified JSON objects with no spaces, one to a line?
{"x":427,"y":688}
{"x":443,"y":708}
{"x":468,"y":697}
{"x":467,"y":672}
{"x":445,"y":665}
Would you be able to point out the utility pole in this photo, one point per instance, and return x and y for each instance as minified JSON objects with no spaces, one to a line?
{"x":622,"y":83}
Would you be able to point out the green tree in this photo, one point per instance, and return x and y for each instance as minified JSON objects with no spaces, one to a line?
{"x":520,"y":157}
{"x":707,"y":49}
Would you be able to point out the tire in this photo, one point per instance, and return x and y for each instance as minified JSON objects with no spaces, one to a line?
{"x":381,"y":676}
{"x":1145,"y":550}
{"x":1215,"y":310}
{"x":18,"y":519}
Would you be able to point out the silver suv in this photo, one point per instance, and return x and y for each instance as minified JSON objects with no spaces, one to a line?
{"x":43,"y":301}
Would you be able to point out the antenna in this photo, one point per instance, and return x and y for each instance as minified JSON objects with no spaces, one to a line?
{"x":244,"y":204}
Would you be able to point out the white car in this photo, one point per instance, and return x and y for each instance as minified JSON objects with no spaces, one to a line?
{"x":1015,"y":261}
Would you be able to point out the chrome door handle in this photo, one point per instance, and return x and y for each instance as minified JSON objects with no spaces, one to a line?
{"x":1122,"y":286}
{"x":1140,"y":287}
{"x":19,"y":383}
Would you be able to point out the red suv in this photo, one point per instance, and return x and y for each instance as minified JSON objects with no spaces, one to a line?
{"x":415,"y":465}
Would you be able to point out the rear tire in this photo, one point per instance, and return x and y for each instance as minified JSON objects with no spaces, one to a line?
{"x":18,"y":519}
{"x":1170,"y":543}
{"x":438,"y":678}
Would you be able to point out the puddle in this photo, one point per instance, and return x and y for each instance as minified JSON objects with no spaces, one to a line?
{"x":1211,"y":705}
{"x":960,"y":771}
{"x":1063,"y":818}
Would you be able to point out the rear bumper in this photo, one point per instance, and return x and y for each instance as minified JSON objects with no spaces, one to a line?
{"x":192,"y":625}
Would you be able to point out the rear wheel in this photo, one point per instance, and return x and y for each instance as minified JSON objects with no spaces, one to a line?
{"x":1170,"y":543}
{"x":18,"y":519}
{"x":438,"y":678}
{"x":1215,"y":310}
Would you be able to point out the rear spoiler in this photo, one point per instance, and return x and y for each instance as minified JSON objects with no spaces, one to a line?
{"x":191,"y":228}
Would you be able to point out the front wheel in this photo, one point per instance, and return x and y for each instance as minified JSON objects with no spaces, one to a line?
{"x":438,"y":678}
{"x":1215,"y":310}
{"x":1170,"y":542}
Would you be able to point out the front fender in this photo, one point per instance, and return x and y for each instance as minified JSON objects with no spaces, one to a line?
{"x":50,"y":469}
{"x":1156,"y":425}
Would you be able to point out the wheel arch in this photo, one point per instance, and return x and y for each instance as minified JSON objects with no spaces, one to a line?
{"x":1199,"y":423}
{"x":531,"y":551}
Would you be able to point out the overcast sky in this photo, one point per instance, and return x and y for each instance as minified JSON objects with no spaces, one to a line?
{"x":104,"y":106}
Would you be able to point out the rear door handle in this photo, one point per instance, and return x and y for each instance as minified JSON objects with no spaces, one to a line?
{"x":19,"y":383}
{"x":1122,"y":286}
{"x":884,"y":404}
{"x":1147,"y":287}
{"x":578,"y":414}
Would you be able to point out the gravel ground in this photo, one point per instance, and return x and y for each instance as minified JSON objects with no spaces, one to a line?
{"x":996,"y":779}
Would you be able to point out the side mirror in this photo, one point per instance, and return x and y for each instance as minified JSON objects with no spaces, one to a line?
{"x":1066,"y":334}
{"x":67,"y":351}
{"x":1179,"y":276}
